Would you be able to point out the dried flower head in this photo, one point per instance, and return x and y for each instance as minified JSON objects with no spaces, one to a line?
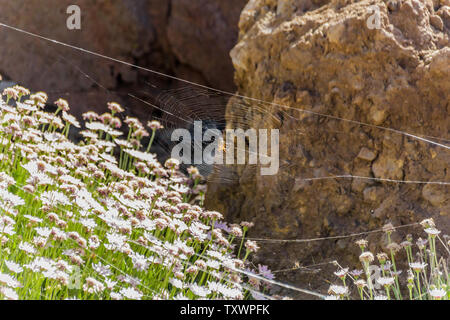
{"x":115,"y":107}
{"x":366,"y":257}
{"x":62,"y":104}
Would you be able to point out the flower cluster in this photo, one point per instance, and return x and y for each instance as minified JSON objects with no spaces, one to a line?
{"x":426,"y":277}
{"x":102,"y":219}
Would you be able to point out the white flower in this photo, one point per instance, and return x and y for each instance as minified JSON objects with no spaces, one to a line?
{"x":432,"y":231}
{"x":101,"y":269}
{"x":341,"y":273}
{"x":54,"y":197}
{"x":92,"y":285}
{"x":417,"y":266}
{"x":338,"y":290}
{"x":177,"y":283}
{"x":366,"y":257}
{"x":437,"y":293}
{"x":9,"y":293}
{"x":28,"y":248}
{"x":213,"y":264}
{"x":9,"y":281}
{"x":180,"y":296}
{"x":10,"y":198}
{"x":70,"y":119}
{"x":13,"y":267}
{"x":199,"y":291}
{"x":116,"y":296}
{"x":143,"y":156}
{"x":33,"y":219}
{"x":131,"y":293}
{"x":385,"y":281}
{"x":231,"y":293}
{"x":43,"y":232}
{"x":110,"y":284}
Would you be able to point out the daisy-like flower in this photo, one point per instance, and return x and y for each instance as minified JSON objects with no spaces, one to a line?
{"x":251,"y":246}
{"x":341,"y":273}
{"x":9,"y":281}
{"x":417,"y":266}
{"x":131,"y":293}
{"x":338,"y":290}
{"x":39,"y":98}
{"x":11,"y":93}
{"x":199,"y":291}
{"x":177,"y":283}
{"x":13,"y":267}
{"x":172,"y":163}
{"x":405,"y":244}
{"x":356,"y":273}
{"x":385,"y":281}
{"x":88,"y":134}
{"x":70,"y":119}
{"x":433,"y":232}
{"x":97,"y":126}
{"x":366,"y":257}
{"x":360,"y":283}
{"x":247,"y":225}
{"x":116,"y":296}
{"x":110,"y":284}
{"x":265,"y":272}
{"x":428,"y":223}
{"x":62,"y":104}
{"x":90,"y":115}
{"x":92,"y":285}
{"x":143,"y":156}
{"x":9,"y":293}
{"x":154,"y":125}
{"x":115,"y":107}
{"x":123,"y":143}
{"x":382,"y":257}
{"x":362,"y":243}
{"x":28,"y":248}
{"x":33,"y":219}
{"x":22,"y":91}
{"x":437,"y":294}
{"x":102,"y":270}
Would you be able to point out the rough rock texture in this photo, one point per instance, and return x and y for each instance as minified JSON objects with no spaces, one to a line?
{"x":322,"y":56}
{"x":188,"y":39}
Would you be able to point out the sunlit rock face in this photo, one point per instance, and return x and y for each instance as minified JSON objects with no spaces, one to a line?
{"x":327,"y":57}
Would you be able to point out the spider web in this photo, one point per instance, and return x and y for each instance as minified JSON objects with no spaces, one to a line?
{"x":177,"y":103}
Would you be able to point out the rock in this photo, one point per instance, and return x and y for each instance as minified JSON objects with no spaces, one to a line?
{"x":436,"y":22}
{"x":201,"y":33}
{"x":396,"y":77}
{"x":435,"y":195}
{"x":388,"y":168}
{"x":366,"y":154}
{"x":373,"y":194}
{"x":188,"y":39}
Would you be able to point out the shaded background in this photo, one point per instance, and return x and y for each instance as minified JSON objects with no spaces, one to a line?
{"x":183,"y":38}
